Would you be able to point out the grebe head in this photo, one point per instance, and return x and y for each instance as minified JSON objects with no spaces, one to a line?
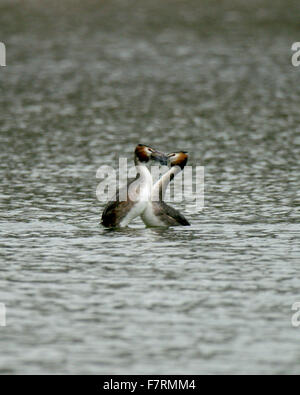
{"x":179,"y":158}
{"x":144,"y":153}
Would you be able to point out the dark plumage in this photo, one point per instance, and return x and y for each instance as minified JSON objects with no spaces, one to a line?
{"x":169,"y":215}
{"x":115,"y":210}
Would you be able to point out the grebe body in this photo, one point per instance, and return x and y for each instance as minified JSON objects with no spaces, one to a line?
{"x":158,"y":213}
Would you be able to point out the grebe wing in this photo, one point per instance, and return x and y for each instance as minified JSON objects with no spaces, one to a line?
{"x":115,"y":210}
{"x":169,"y":215}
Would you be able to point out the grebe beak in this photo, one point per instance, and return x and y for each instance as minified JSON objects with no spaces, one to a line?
{"x":160,"y":157}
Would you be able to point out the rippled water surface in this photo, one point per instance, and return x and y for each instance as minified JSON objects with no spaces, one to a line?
{"x":84,"y":83}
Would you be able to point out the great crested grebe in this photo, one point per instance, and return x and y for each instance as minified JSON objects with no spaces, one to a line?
{"x":120,"y":213}
{"x":157,"y":212}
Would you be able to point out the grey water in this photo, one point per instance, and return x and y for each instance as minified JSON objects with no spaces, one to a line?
{"x":84,"y":83}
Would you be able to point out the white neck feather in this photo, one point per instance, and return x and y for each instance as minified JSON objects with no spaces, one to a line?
{"x":141,"y":188}
{"x":160,"y":187}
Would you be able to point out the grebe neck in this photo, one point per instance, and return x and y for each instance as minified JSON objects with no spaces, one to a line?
{"x":160,"y":187}
{"x":141,"y":188}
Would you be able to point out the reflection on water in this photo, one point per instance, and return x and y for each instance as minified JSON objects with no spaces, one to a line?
{"x":86,"y":83}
